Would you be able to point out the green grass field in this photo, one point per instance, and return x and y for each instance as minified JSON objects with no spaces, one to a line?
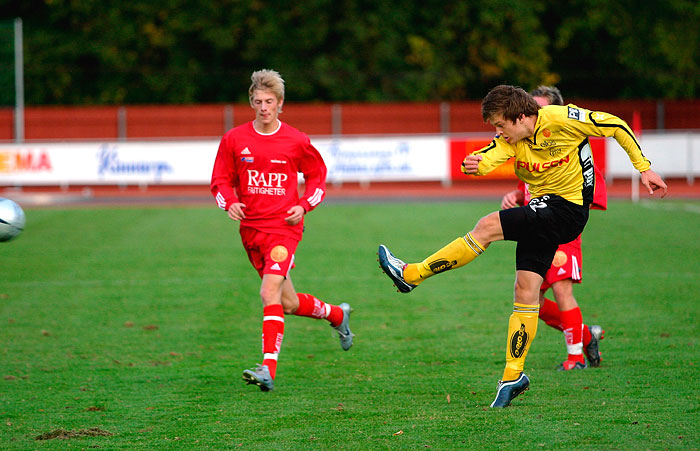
{"x":128,"y":328}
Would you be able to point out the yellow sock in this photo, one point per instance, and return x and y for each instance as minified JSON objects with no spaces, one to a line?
{"x":522,"y":328}
{"x":458,"y":253}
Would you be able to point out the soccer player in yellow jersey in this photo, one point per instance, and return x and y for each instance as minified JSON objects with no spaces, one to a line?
{"x":565,"y":270}
{"x":552,"y":155}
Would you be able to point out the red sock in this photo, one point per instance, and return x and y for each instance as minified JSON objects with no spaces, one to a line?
{"x":549,"y":313}
{"x":313,"y":307}
{"x":273,"y":333}
{"x":573,"y":330}
{"x":586,"y":335}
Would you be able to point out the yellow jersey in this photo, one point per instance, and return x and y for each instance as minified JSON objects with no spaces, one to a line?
{"x":557,"y":159}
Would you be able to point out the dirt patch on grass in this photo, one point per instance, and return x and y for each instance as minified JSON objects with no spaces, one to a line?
{"x":63,"y":434}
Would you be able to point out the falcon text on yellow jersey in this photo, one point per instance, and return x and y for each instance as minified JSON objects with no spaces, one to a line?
{"x":557,"y":159}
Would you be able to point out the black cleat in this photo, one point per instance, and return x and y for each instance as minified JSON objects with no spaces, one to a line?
{"x":393,"y":267}
{"x":592,"y":350}
{"x":508,"y":390}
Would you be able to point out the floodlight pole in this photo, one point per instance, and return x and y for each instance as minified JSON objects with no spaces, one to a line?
{"x":19,"y":82}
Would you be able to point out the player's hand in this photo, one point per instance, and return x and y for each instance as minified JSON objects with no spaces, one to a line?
{"x":235,"y":211}
{"x":512,"y":199}
{"x":470,"y":165}
{"x":653,"y":181}
{"x":296,"y":213}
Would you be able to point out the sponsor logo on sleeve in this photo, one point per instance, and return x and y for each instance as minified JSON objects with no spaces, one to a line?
{"x":578,"y":114}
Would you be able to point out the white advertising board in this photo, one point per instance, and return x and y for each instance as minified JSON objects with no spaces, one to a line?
{"x":385,"y":159}
{"x":177,"y":162}
{"x":191,"y":162}
{"x":671,"y":155}
{"x":348,"y":159}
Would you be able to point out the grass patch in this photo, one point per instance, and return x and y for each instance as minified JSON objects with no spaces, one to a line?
{"x":139,"y":321}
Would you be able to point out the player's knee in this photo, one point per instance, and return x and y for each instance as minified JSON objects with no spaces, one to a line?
{"x":289,"y":305}
{"x":269,"y":295}
{"x":527,"y":290}
{"x":488,"y":229}
{"x":564,"y":292}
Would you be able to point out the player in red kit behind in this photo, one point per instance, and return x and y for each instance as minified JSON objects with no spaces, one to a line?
{"x":255,"y":181}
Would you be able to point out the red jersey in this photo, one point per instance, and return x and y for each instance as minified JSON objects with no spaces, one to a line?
{"x":261,"y":170}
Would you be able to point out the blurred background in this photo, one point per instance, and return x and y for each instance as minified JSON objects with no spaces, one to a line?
{"x":91,"y":81}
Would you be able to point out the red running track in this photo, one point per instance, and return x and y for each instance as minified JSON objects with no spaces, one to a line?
{"x":349,"y":192}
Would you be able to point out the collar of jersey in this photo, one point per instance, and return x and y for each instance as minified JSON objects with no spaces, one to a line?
{"x":537,"y":127}
{"x":279,"y":125}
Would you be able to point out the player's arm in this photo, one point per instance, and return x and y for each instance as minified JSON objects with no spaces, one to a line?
{"x":314,"y":170}
{"x":598,"y":123}
{"x":653,"y":182}
{"x":512,"y":199}
{"x":223,"y":179}
{"x":485,"y":160}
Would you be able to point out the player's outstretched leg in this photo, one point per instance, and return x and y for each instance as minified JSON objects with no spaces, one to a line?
{"x":260,"y":376}
{"x":406,"y":277}
{"x":393,"y":267}
{"x":508,"y":390}
{"x":592,"y":349}
{"x":343,"y":328}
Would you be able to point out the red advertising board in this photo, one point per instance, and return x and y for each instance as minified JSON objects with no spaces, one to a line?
{"x":459,"y":148}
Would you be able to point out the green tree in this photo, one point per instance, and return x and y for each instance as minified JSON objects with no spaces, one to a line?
{"x":639,"y":49}
{"x":7,"y":63}
{"x":180,"y":51}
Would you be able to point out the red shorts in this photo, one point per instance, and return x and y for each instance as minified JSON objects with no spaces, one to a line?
{"x":566,"y":264}
{"x":269,"y":253}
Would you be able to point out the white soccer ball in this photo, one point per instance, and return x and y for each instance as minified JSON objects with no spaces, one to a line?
{"x":11,"y":219}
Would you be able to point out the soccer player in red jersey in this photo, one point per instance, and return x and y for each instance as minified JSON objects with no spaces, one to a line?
{"x":255,"y":181}
{"x":565,"y":313}
{"x":553,"y":156}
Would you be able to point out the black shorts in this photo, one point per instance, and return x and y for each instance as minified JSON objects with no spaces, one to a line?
{"x":540,"y":227}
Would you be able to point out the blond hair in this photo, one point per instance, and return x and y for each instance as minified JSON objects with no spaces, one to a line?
{"x":266,"y":80}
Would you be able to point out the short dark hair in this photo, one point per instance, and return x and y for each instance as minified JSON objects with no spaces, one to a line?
{"x":551,"y":93}
{"x":510,"y":101}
